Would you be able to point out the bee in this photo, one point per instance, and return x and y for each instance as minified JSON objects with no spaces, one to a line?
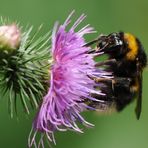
{"x":126,"y":60}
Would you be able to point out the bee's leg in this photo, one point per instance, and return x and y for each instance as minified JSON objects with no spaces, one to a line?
{"x":98,"y":106}
{"x":103,"y":80}
{"x":91,"y":51}
{"x":123,"y":81}
{"x":107,"y":62}
{"x":99,"y":38}
{"x":115,"y":82}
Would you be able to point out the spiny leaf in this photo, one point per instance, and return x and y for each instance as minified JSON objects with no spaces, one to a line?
{"x":24,"y":102}
{"x":11,"y":101}
{"x":33,"y":98}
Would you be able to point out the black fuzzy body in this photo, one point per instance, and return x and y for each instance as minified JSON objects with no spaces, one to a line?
{"x":127,"y":71}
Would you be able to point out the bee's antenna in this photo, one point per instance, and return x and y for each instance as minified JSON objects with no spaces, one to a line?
{"x":90,"y":43}
{"x":94,"y":41}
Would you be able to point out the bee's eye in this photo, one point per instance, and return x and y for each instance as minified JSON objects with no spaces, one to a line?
{"x":102,"y":44}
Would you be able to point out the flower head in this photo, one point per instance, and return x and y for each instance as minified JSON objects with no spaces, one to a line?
{"x":9,"y":37}
{"x":70,"y":81}
{"x":23,"y":66}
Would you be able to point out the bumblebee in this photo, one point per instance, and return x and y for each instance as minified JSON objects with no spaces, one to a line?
{"x":126,"y":60}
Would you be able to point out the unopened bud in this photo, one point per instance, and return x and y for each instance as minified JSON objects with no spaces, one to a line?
{"x":9,"y":38}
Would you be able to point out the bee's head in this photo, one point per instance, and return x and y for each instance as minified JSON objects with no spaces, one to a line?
{"x":110,"y":43}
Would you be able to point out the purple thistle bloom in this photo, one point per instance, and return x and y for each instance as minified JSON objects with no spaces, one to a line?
{"x":70,"y":82}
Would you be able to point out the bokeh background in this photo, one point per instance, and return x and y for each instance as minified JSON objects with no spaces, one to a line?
{"x":119,"y":130}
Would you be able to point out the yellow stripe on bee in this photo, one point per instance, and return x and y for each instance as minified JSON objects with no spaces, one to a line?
{"x":132,"y":45}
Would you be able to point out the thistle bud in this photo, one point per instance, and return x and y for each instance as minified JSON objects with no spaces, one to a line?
{"x":9,"y":38}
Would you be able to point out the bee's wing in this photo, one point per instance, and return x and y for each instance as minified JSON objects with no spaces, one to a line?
{"x":139,"y":97}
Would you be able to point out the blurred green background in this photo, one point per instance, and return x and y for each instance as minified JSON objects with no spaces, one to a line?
{"x":119,"y":130}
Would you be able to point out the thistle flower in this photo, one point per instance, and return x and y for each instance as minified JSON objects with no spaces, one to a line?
{"x":9,"y":38}
{"x":71,"y":82}
{"x":23,"y":66}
